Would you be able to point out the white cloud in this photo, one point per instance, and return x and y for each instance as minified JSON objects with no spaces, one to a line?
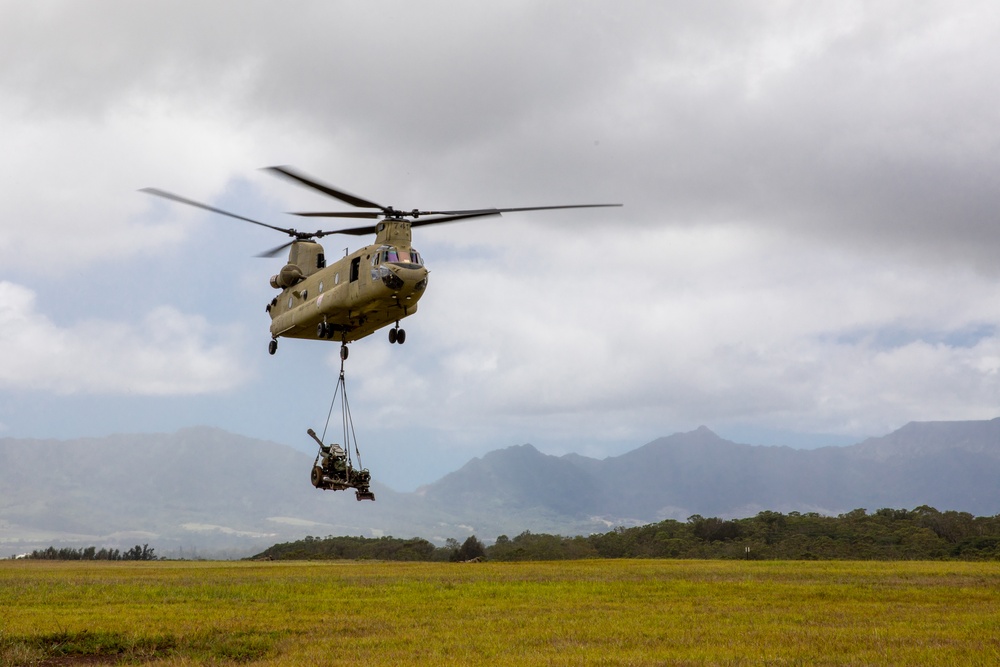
{"x":714,"y":325}
{"x":808,"y":241}
{"x":167,"y":353}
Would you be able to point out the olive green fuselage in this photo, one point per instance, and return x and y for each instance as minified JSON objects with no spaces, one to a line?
{"x":352,"y":297}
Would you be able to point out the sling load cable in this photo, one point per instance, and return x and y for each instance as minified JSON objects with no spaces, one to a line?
{"x":357,"y":478}
{"x":348,"y":435}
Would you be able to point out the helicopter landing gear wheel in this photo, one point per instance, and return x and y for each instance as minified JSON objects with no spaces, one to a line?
{"x":325,"y":330}
{"x":272,"y":347}
{"x":397,"y":335}
{"x":392,"y":336}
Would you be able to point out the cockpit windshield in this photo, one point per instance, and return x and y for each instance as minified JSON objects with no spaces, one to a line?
{"x":392,"y":255}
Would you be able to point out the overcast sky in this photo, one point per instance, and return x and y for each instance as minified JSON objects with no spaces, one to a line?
{"x":807,"y":251}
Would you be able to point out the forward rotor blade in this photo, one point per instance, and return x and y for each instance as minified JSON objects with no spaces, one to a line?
{"x":341,"y":214}
{"x":452,"y":216}
{"x":420,"y":222}
{"x":190,"y":202}
{"x":376,"y":214}
{"x":371,"y":229}
{"x":302,"y":179}
{"x":549,"y":208}
{"x":476,"y":211}
{"x":468,"y":212}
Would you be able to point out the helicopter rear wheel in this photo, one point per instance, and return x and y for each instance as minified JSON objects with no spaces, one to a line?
{"x":272,"y":347}
{"x":321,"y":330}
{"x":397,"y":335}
{"x":392,"y":336}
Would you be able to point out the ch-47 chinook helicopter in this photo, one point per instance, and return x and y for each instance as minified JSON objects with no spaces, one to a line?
{"x":368,"y":289}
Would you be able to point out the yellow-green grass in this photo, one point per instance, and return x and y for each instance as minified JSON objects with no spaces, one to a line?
{"x":600,"y":612}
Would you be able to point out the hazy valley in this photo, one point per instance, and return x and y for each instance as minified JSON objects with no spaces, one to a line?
{"x":206,"y":492}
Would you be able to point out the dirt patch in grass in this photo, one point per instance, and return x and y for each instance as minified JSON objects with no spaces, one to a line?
{"x":103,"y":648}
{"x":73,"y":660}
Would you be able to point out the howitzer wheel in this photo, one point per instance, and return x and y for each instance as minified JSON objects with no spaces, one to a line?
{"x":317,"y":477}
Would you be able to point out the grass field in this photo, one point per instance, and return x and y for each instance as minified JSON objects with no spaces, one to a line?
{"x":619,"y":612}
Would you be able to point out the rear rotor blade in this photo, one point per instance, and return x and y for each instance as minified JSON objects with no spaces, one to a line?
{"x":191,"y":202}
{"x":302,"y":179}
{"x":355,"y":231}
{"x":273,"y":252}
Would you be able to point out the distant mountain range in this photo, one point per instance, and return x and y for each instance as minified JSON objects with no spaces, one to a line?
{"x":204,"y":492}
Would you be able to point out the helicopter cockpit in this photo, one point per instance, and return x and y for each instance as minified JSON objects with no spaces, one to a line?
{"x":409,"y":259}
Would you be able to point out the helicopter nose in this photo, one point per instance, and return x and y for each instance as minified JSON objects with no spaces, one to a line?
{"x":414,"y":279}
{"x":403,"y":279}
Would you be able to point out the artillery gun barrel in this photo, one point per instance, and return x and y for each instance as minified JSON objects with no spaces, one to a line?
{"x":312,"y":434}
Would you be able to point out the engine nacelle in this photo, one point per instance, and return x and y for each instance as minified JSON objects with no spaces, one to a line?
{"x":289,"y":275}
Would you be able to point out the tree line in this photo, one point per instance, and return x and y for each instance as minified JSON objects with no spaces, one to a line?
{"x":145,"y":552}
{"x":378,"y":548}
{"x":923,"y":533}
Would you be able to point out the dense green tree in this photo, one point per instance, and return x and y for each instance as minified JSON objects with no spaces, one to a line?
{"x":139,"y":553}
{"x":353,"y":548}
{"x":471,"y":549}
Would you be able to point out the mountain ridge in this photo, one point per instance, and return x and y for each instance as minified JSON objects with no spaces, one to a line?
{"x":205,"y":489}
